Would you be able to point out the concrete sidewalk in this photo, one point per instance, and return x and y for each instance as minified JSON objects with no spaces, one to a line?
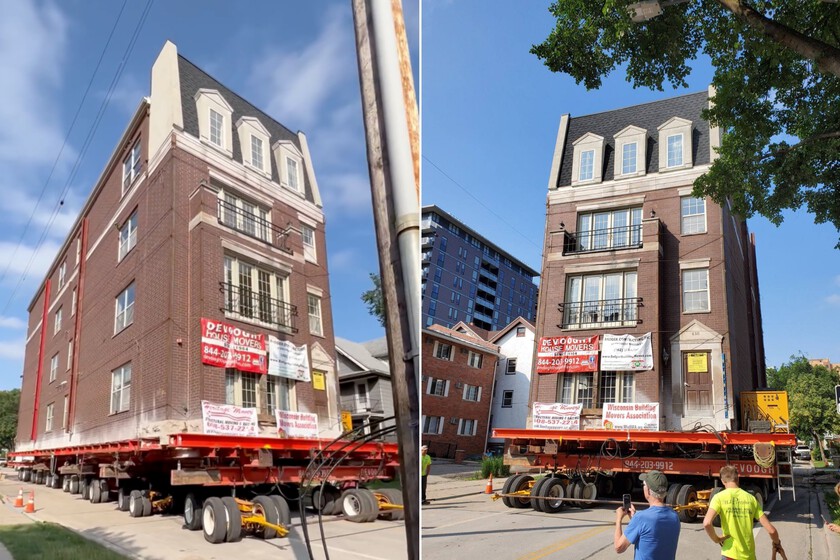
{"x":10,"y":515}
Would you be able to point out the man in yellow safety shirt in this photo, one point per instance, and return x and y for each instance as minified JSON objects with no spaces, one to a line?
{"x":425,"y":467}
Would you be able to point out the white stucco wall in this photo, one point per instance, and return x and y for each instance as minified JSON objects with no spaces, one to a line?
{"x":521,"y":348}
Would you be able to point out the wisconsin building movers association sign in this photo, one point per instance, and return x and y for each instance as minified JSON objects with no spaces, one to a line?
{"x":296,"y":424}
{"x":567,"y":354}
{"x":631,"y":416}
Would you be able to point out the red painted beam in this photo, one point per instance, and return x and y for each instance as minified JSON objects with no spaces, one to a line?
{"x":34,"y":432}
{"x":641,"y":436}
{"x":279,"y":444}
{"x":234,"y":476}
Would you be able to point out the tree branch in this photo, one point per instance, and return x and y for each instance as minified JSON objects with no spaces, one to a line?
{"x":810,"y":139}
{"x":827,"y":57}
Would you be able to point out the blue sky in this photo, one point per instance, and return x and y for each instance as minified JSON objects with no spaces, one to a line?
{"x":490,"y":114}
{"x":295,"y":60}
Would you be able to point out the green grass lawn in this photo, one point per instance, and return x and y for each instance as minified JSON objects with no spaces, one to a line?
{"x":833,"y":503}
{"x":37,"y":541}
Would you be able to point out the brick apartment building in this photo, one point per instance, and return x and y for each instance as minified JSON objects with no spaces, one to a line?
{"x":629,"y":250}
{"x":208,"y":210}
{"x":458,"y":375}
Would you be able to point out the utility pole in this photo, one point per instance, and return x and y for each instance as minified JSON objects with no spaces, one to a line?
{"x":389,"y":107}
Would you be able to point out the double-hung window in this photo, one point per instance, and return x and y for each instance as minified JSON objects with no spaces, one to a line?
{"x":466,"y":427}
{"x":692,"y":215}
{"x":437,"y":387}
{"x":474,"y":359}
{"x":616,"y":387}
{"x":217,"y":127}
{"x":443,"y":351}
{"x":128,"y":236}
{"x":292,"y":174}
{"x":695,"y":290}
{"x":576,"y":388}
{"x":257,"y":152}
{"x":121,"y":388}
{"x":315,"y":323}
{"x":472,"y":393}
{"x":612,"y":229}
{"x":587,"y":165}
{"x":125,"y":309}
{"x":511,"y":366}
{"x":256,"y":293}
{"x":628,"y":158}
{"x":53,"y":367}
{"x":131,"y":166}
{"x":308,"y":235}
{"x":675,"y":150}
{"x":62,"y":275}
{"x":57,"y":323}
{"x":245,"y":216}
{"x":507,"y":399}
{"x":600,"y":299}
{"x":50,"y":415}
{"x":433,"y":424}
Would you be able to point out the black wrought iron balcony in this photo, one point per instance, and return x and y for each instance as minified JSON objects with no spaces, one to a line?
{"x":588,"y":241}
{"x":252,"y":225}
{"x":605,"y":312}
{"x":243,"y":302}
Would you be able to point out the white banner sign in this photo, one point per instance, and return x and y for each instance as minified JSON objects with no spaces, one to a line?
{"x":631,"y":416}
{"x":225,"y":419}
{"x":626,"y":353}
{"x":296,"y":424}
{"x":287,"y":360}
{"x":557,"y":416}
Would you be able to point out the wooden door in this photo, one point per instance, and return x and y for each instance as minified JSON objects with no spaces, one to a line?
{"x":698,"y":380}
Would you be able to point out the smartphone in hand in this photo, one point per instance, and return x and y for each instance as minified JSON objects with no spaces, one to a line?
{"x":626,"y":505}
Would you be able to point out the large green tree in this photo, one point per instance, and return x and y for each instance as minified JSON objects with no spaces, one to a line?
{"x":373,"y":299}
{"x":810,"y":389}
{"x":777,"y":83}
{"x":9,"y":403}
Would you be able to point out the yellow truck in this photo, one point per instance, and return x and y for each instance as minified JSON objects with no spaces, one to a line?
{"x":764,"y":411}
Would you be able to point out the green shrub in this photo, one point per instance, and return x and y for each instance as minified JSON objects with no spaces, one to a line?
{"x":494,"y":465}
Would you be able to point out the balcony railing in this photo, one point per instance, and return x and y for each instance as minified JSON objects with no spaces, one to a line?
{"x":251,"y":225}
{"x":354,"y":406}
{"x":243,"y":302}
{"x":487,"y":274}
{"x":605,"y":312}
{"x":588,"y":241}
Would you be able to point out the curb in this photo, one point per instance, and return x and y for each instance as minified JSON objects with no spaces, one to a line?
{"x":831,"y":540}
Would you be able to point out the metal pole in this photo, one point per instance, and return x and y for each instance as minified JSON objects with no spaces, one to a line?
{"x":394,"y":193}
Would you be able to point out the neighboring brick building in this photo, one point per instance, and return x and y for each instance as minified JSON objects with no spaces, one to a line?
{"x":628,"y":250}
{"x":207,"y":209}
{"x":458,"y":373}
{"x":466,"y":277}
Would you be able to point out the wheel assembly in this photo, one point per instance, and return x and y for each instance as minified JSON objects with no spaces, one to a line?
{"x":192,"y":512}
{"x":265,"y":506}
{"x":554,"y":493}
{"x":214,"y":520}
{"x":685,"y":496}
{"x":234,"y":520}
{"x":391,"y":496}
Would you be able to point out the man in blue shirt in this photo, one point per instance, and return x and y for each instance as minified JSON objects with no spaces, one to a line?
{"x":655,"y":531}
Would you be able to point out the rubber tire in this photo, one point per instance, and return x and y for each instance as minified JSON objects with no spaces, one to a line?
{"x":589,"y":491}
{"x":393,"y":496}
{"x":95,"y":491}
{"x":123,"y":499}
{"x":104,"y":491}
{"x":26,"y":475}
{"x":373,"y":505}
{"x":65,"y":484}
{"x":536,"y":503}
{"x":553,"y":486}
{"x":270,"y":513}
{"x":57,"y":481}
{"x":214,"y":520}
{"x":321,"y":499}
{"x":506,"y":489}
{"x":756,"y":492}
{"x":147,"y":506}
{"x":575,"y":488}
{"x":234,"y":520}
{"x":335,"y":493}
{"x":671,"y":496}
{"x":84,"y":488}
{"x":283,"y":509}
{"x":74,"y":484}
{"x":355,"y":505}
{"x":686,"y":495}
{"x":48,"y":480}
{"x":192,"y":512}
{"x":716,"y":520}
{"x":605,"y":485}
{"x":521,"y":484}
{"x":135,"y":504}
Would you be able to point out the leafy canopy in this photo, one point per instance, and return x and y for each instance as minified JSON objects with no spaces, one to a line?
{"x":9,"y":403}
{"x":373,"y":299}
{"x":777,"y":84}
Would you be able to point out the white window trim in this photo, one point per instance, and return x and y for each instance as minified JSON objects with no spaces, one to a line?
{"x":69,"y":354}
{"x":237,"y":220}
{"x":510,"y":362}
{"x":125,"y":402}
{"x":432,"y":382}
{"x":48,"y":424}
{"x":668,"y":138}
{"x":708,"y":308}
{"x":298,"y":186}
{"x":282,"y":150}
{"x":57,"y":320}
{"x":132,"y":166}
{"x":62,"y":274}
{"x":54,"y":367}
{"x":248,"y":128}
{"x":576,"y":388}
{"x":673,"y":127}
{"x":583,"y":144}
{"x":310,"y":252}
{"x":705,"y":217}
{"x":127,"y":312}
{"x":441,"y":421}
{"x":470,"y":356}
{"x":622,"y":379}
{"x":320,"y":330}
{"x":206,"y":99}
{"x":124,"y":246}
{"x":66,"y":412}
{"x":451,"y":351}
{"x":278,"y":288}
{"x":466,"y":390}
{"x":630,"y":135}
{"x":461,"y":422}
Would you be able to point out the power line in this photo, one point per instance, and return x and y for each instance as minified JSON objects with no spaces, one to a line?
{"x":63,"y":144}
{"x":85,"y":146}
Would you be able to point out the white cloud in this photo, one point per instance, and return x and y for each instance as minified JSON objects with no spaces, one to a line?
{"x":833,"y":299}
{"x":32,"y":47}
{"x":12,"y":349}
{"x":127,"y":95}
{"x":345,"y":192}
{"x":343,"y":259}
{"x":303,"y":81}
{"x":40,"y":263}
{"x":21,"y":206}
{"x":837,"y":280}
{"x":12,"y":323}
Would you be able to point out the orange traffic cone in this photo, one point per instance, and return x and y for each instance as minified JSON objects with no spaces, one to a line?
{"x":19,"y":499}
{"x":30,"y":504}
{"x":489,"y":488}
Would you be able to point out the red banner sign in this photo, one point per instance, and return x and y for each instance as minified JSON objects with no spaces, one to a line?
{"x":228,"y":346}
{"x":567,"y":354}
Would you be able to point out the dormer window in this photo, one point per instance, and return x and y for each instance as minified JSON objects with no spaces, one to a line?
{"x":289,"y":160}
{"x":217,"y":127}
{"x":256,"y":152}
{"x":214,"y":118}
{"x":675,"y":144}
{"x":628,"y":158}
{"x":292,"y":173}
{"x":588,"y":159}
{"x":675,"y":155}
